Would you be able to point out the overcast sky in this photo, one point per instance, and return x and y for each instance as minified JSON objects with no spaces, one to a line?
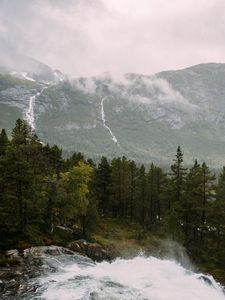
{"x":89,"y":37}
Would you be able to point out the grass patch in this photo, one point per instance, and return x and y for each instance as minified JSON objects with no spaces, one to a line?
{"x":125,"y":239}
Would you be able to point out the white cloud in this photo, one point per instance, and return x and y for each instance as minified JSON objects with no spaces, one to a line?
{"x":88,"y":37}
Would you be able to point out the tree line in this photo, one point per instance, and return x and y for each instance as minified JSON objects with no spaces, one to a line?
{"x":40,"y":190}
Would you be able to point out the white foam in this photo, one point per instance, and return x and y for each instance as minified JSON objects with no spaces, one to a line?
{"x":133,"y":279}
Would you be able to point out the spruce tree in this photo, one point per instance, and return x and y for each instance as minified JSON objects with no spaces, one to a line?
{"x":157,"y":182}
{"x":133,"y":184}
{"x":189,"y":209}
{"x":141,"y":190}
{"x":178,"y":177}
{"x":23,"y":176}
{"x":4,"y":142}
{"x":207,"y":189}
{"x":125,"y":186}
{"x":116,"y":187}
{"x":102,"y":184}
{"x":217,"y":215}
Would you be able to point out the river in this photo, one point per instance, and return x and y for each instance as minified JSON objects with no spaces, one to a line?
{"x":67,"y":276}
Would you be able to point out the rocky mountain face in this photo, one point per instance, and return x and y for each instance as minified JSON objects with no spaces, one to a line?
{"x":142,"y":117}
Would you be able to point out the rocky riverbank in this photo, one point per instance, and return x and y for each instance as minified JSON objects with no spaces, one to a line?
{"x":19,"y":269}
{"x":52,"y":272}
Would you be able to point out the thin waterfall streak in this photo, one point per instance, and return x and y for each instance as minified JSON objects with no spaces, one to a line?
{"x":29,"y":113}
{"x":105,"y":125}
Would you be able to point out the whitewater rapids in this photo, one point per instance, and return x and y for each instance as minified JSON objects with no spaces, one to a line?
{"x":139,"y":278}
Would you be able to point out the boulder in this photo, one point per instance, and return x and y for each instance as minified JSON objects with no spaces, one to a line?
{"x":79,"y":246}
{"x":12,"y":253}
{"x":42,"y":251}
{"x":92,"y":250}
{"x":13,"y":256}
{"x":97,"y":253}
{"x":206,"y":279}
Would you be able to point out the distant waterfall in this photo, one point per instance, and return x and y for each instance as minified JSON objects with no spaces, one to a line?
{"x":29,"y":112}
{"x":104,"y":123}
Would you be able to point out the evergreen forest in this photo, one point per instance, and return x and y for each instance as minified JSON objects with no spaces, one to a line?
{"x":41,"y":191}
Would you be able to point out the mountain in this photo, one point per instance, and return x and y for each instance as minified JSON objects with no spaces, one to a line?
{"x":142,"y":117}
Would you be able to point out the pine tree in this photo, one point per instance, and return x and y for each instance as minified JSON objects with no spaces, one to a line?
{"x":55,"y":157}
{"x":23,"y":176}
{"x":102,"y":184}
{"x":133,"y":184}
{"x":141,"y":190}
{"x":51,"y":209}
{"x":189,"y":209}
{"x":115,"y":187}
{"x":4,"y":142}
{"x":217,"y":214}
{"x":178,"y":177}
{"x":176,"y":194}
{"x":74,"y":160}
{"x":207,"y":193}
{"x":125,"y":186}
{"x":207,"y":189}
{"x":22,"y":133}
{"x":157,"y":182}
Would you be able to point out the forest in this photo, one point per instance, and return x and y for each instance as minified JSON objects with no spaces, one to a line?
{"x":41,"y":190}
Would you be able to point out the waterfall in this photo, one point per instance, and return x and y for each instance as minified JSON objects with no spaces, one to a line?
{"x":104,"y":123}
{"x":29,"y":112}
{"x":140,"y":278}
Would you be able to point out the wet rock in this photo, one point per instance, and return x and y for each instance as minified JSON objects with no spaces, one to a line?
{"x":12,"y":253}
{"x":206,"y":279}
{"x":17,"y":281}
{"x":42,"y":251}
{"x":97,"y":253}
{"x":79,"y":246}
{"x":13,"y":257}
{"x":92,"y":250}
{"x":64,"y":229}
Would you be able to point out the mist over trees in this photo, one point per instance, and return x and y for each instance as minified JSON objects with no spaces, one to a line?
{"x":40,"y":190}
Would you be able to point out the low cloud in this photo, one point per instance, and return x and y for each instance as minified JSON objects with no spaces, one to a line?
{"x":89,"y":37}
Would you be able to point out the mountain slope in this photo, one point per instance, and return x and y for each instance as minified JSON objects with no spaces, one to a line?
{"x":142,"y":117}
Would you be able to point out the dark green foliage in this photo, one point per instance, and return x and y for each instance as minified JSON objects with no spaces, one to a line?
{"x":25,"y":197}
{"x":177,"y":177}
{"x":157,"y":185}
{"x":4,"y":142}
{"x":142,"y":192}
{"x":102,"y":184}
{"x":42,"y":195}
{"x":189,"y":209}
{"x":74,"y":160}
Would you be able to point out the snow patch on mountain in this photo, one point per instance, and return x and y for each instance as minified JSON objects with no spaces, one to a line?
{"x":22,"y":75}
{"x":25,"y":76}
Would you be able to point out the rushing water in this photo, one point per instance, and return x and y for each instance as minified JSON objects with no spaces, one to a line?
{"x":133,"y":279}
